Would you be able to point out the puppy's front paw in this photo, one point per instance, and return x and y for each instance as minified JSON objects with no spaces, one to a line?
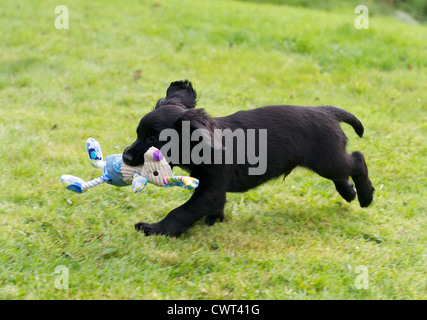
{"x":211,"y":219}
{"x":157,"y":228}
{"x":147,"y":228}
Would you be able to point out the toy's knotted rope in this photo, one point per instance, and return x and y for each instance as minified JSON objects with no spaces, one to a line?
{"x":92,"y":183}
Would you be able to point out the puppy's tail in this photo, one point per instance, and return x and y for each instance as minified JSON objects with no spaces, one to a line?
{"x":345,"y":116}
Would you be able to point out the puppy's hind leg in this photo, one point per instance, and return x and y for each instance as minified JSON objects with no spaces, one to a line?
{"x":337,"y":168}
{"x":359,"y":174}
{"x":218,"y":213}
{"x":214,"y":217}
{"x":345,"y":189}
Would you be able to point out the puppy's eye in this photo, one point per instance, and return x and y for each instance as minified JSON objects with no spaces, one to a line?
{"x":155,"y":173}
{"x":150,"y":135}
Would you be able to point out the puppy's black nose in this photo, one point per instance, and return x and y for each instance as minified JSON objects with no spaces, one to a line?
{"x":127,"y":156}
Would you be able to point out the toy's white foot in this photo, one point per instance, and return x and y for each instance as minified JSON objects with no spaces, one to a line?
{"x":94,"y":151}
{"x":138,"y":183}
{"x":72,"y":183}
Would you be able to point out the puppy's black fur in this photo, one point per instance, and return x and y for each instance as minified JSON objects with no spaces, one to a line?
{"x":296,"y":136}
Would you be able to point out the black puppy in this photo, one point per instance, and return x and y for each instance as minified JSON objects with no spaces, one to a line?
{"x":296,"y":136}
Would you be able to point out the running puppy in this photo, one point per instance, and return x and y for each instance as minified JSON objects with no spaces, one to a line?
{"x":296,"y":136}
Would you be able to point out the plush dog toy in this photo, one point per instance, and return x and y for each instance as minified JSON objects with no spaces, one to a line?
{"x":155,"y":170}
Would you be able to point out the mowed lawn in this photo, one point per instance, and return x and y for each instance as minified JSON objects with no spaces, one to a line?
{"x":293,"y":239}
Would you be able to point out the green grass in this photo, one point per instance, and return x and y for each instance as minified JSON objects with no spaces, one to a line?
{"x":283,"y":240}
{"x":416,"y":9}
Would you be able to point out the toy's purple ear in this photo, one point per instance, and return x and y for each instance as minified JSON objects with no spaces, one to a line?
{"x":157,"y":155}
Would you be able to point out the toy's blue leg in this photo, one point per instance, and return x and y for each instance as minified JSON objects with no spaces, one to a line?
{"x":95,"y":154}
{"x":76,"y":184}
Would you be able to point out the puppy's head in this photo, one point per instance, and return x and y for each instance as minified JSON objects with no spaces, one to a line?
{"x":169,"y":113}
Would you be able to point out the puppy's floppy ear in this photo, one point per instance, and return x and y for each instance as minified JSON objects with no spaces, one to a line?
{"x":181,"y":93}
{"x":198,"y":119}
